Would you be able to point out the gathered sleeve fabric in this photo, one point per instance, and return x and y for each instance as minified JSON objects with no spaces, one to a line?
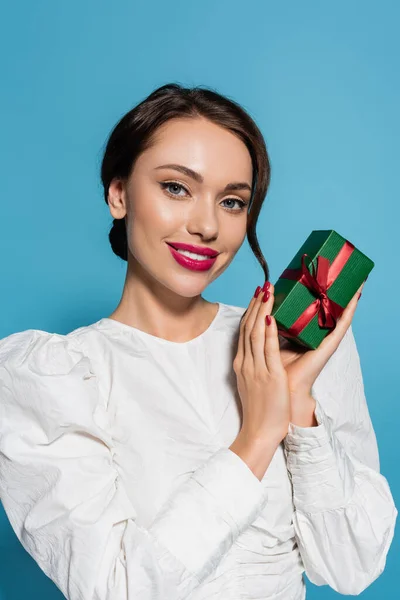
{"x":345,"y":515}
{"x":63,"y":496}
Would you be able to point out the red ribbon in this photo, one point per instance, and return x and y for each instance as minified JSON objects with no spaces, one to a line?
{"x":318,"y":282}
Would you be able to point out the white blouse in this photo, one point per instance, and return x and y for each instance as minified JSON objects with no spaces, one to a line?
{"x":117,"y":477}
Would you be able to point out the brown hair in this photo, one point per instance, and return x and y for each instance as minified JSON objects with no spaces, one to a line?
{"x":134,"y":133}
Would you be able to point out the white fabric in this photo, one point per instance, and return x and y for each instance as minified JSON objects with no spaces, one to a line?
{"x":117,"y":478}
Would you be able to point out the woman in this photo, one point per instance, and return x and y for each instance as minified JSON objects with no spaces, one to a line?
{"x":179,"y":448}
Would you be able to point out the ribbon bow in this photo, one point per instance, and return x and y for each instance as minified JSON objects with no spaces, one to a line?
{"x":318,"y":282}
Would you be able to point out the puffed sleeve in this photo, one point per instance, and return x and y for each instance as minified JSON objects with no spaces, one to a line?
{"x":344,"y":515}
{"x":65,"y":501}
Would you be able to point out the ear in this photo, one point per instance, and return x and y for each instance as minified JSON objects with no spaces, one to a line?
{"x":117,"y":198}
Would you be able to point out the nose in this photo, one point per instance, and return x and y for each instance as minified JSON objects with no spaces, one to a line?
{"x":203,"y":219}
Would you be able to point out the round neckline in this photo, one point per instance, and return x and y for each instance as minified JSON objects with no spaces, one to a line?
{"x":149,"y":336}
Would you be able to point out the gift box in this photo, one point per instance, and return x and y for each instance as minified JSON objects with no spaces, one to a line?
{"x":315,"y":288}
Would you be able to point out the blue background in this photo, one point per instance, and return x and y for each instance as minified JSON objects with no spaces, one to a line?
{"x":321,"y":80}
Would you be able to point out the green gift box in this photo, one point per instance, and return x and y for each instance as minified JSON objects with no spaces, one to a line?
{"x":315,"y":288}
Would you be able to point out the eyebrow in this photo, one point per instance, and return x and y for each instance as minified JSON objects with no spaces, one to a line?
{"x":238,"y":185}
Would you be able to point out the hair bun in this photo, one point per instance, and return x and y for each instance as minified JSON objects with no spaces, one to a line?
{"x":118,"y":239}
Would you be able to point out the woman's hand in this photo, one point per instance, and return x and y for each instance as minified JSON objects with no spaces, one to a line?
{"x":303,"y":366}
{"x":261,"y":377}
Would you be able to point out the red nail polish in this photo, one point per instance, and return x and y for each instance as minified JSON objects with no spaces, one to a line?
{"x":268,"y":319}
{"x":265,"y":297}
{"x":359,"y":296}
{"x":266,"y":286}
{"x":258,"y":290}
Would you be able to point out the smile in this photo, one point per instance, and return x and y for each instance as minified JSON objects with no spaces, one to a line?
{"x":192,"y":261}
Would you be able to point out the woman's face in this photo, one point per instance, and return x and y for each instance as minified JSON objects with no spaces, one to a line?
{"x":166,"y":205}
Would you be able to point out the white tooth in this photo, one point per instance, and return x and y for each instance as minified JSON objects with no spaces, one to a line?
{"x":193,"y":255}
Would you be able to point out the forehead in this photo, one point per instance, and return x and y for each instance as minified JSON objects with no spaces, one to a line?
{"x":201,"y":145}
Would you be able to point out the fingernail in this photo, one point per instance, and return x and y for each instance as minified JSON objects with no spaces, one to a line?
{"x":266,"y":286}
{"x":268,"y":319}
{"x":265,"y":297}
{"x":258,"y":290}
{"x":359,"y":296}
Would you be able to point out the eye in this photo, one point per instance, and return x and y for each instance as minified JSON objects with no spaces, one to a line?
{"x":242,"y":204}
{"x":171,"y":184}
{"x":174,"y":184}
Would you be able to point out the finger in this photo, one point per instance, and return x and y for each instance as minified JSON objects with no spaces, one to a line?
{"x":257,"y":335}
{"x":240,"y":351}
{"x":247,"y":334}
{"x":245,"y":315}
{"x":272,"y":354}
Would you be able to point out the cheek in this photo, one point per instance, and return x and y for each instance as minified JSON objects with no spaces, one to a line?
{"x":233,"y":232}
{"x":153,"y":211}
{"x":151,"y":221}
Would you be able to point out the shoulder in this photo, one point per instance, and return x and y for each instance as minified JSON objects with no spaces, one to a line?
{"x":39,"y":367}
{"x":42,"y":351}
{"x":233,"y":313}
{"x":48,"y":386}
{"x":230,"y":317}
{"x":237,"y":310}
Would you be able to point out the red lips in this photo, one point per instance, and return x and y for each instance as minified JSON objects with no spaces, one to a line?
{"x":203,"y":250}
